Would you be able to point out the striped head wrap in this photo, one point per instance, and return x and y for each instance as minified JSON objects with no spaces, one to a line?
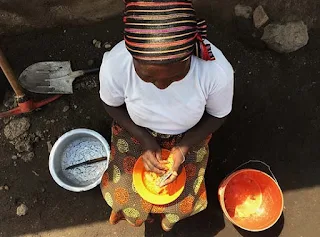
{"x":164,"y":31}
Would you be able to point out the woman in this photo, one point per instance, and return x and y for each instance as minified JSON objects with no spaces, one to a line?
{"x":165,"y":86}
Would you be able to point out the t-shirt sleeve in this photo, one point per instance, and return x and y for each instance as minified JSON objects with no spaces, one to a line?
{"x":111,"y":88}
{"x":220,"y":94}
{"x":219,"y":102}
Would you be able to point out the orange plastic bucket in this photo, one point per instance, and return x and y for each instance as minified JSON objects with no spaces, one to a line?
{"x":251,"y":199}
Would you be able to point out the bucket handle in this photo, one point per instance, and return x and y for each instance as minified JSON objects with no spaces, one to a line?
{"x":257,"y":161}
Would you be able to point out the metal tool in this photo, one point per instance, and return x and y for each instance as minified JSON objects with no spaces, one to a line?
{"x":51,"y":77}
{"x":25,"y":105}
{"x":164,"y":177}
{"x":88,"y":162}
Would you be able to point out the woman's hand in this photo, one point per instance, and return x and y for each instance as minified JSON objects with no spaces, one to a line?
{"x":152,"y":156}
{"x":179,"y":154}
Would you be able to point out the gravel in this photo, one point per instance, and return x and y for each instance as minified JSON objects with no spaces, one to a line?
{"x":65,"y":109}
{"x":96,"y":43}
{"x":243,"y":11}
{"x":22,"y":210}
{"x":28,"y":157}
{"x":9,"y":100}
{"x":40,"y":135}
{"x":106,"y":45}
{"x":5,"y":187}
{"x":23,"y":145}
{"x":16,"y":128}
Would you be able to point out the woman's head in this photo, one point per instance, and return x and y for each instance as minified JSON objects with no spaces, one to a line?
{"x":162,"y":75}
{"x":160,"y":32}
{"x":161,"y":36}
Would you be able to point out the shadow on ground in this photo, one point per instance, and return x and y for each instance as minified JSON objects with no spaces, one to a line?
{"x":276,"y":119}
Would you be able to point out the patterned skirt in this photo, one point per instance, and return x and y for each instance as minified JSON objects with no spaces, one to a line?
{"x":120,"y":194}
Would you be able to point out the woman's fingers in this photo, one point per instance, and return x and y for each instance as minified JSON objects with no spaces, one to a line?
{"x":158,"y":155}
{"x":172,"y":178}
{"x":164,"y":162}
{"x":152,"y":164}
{"x":149,"y":167}
{"x":178,"y":159}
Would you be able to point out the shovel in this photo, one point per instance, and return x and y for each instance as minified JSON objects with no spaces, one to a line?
{"x":51,"y":77}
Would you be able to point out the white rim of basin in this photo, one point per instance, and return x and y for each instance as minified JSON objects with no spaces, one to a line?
{"x":59,"y":142}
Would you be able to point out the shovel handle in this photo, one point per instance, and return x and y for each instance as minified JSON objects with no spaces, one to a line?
{"x":88,"y":71}
{"x":8,"y":72}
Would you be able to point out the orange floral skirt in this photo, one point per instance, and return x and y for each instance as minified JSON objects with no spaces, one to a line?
{"x":119,"y":192}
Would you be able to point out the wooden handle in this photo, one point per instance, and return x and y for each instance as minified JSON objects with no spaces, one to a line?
{"x":7,"y":70}
{"x":97,"y":160}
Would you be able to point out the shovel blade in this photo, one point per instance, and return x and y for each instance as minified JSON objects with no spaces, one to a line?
{"x":48,"y":78}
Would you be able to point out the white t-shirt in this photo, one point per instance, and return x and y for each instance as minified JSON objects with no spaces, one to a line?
{"x":208,"y":86}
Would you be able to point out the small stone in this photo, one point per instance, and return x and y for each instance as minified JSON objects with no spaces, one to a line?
{"x":14,"y":157}
{"x":6,"y":187}
{"x":52,"y":121}
{"x":243,"y":11}
{"x":91,"y":84}
{"x":260,"y":17}
{"x":23,"y":145}
{"x":65,"y":109}
{"x":9,"y":101}
{"x":90,"y":62}
{"x":96,"y":43}
{"x":88,"y":117}
{"x":1,"y":188}
{"x":286,"y":38}
{"x":75,"y":106}
{"x":22,"y":210}
{"x":19,"y":155}
{"x":6,"y":120}
{"x":16,"y":128}
{"x":14,"y":163}
{"x":35,"y":173}
{"x":28,"y":157}
{"x":106,"y":45}
{"x":49,"y":146}
{"x":43,"y":190}
{"x":37,"y":139}
{"x":32,"y":136}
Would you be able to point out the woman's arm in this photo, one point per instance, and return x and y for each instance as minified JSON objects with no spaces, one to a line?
{"x":206,"y":126}
{"x":121,"y":116}
{"x":152,"y":154}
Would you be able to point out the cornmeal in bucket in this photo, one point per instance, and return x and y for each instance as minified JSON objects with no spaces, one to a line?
{"x":243,"y":197}
{"x":151,"y":179}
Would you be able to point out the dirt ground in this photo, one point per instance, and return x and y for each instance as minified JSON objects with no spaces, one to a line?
{"x":276,"y":119}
